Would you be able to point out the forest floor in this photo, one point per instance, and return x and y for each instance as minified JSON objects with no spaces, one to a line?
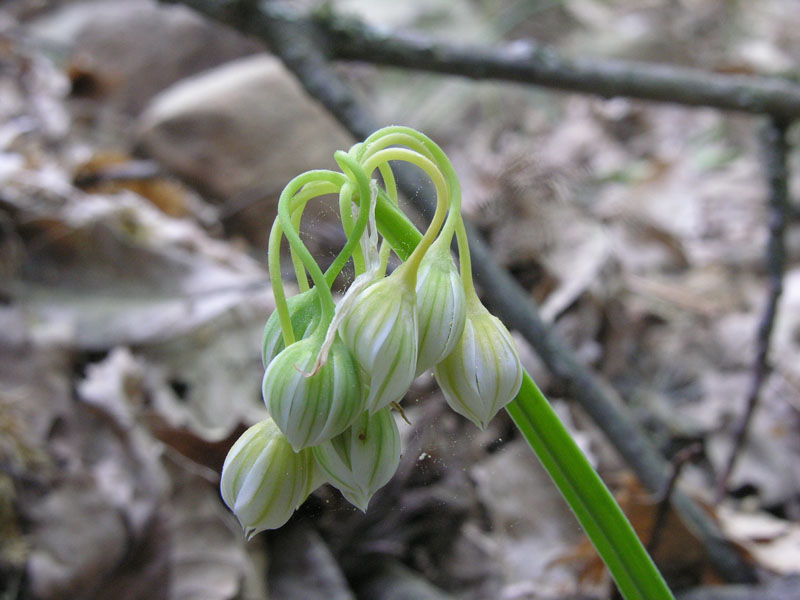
{"x":142,"y":150}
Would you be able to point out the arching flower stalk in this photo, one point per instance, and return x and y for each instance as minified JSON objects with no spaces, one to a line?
{"x":310,"y":401}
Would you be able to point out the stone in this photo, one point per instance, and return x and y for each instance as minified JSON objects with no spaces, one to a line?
{"x":240,"y":133}
{"x":126,"y":51}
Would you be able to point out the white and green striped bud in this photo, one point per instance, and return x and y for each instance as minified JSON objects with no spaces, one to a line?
{"x":304,"y":312}
{"x":311,"y":407}
{"x":380,"y":328}
{"x":264,"y":480}
{"x":363,"y":459}
{"x":483,"y":373}
{"x":441,"y":306}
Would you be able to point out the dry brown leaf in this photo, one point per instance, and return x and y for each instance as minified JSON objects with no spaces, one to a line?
{"x":679,"y":554}
{"x":110,"y":171}
{"x":122,"y":272}
{"x":104,"y":496}
{"x":774,"y":543}
{"x":768,"y":461}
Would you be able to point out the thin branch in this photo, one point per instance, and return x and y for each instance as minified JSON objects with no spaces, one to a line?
{"x":535,"y":64}
{"x":130,"y":171}
{"x":680,"y":460}
{"x":295,"y":41}
{"x":776,"y":156}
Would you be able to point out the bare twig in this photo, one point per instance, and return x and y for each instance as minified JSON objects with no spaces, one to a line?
{"x":536,"y":64}
{"x":775,"y":155}
{"x":523,"y":62}
{"x":297,"y":42}
{"x":680,"y":460}
{"x":132,"y":170}
{"x":664,"y":498}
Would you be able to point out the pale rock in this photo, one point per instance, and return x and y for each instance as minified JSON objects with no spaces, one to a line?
{"x":240,"y":133}
{"x":126,"y":51}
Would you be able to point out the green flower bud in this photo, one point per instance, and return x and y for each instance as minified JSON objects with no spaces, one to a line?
{"x":483,"y":373}
{"x":441,"y":306}
{"x":264,"y":480}
{"x":380,"y":328}
{"x":363,"y":459}
{"x":305,"y":314}
{"x":312,"y":408}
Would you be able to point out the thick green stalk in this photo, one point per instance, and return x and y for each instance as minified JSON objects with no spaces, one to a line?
{"x":395,"y":227}
{"x":603,"y":521}
{"x":601,"y":517}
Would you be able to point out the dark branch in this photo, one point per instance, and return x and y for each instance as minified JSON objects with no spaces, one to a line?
{"x":679,"y":461}
{"x":295,"y":41}
{"x":775,"y":158}
{"x":522,"y":61}
{"x":531,"y":63}
{"x":133,"y":170}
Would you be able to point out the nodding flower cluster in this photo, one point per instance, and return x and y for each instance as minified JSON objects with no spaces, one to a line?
{"x":335,"y":372}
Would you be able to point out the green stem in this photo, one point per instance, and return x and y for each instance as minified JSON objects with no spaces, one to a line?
{"x":390,"y":186}
{"x":465,"y":262}
{"x":411,"y":265}
{"x":348,"y":224}
{"x":274,"y":265}
{"x":405,"y":136}
{"x":353,"y":232}
{"x":594,"y":506}
{"x":298,"y":202}
{"x":299,"y":269}
{"x":400,"y":135}
{"x":603,"y":521}
{"x":327,"y":306}
{"x":395,"y":227}
{"x":298,"y":205}
{"x":389,"y":183}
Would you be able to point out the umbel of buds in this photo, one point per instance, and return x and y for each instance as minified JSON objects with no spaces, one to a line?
{"x":334,"y":373}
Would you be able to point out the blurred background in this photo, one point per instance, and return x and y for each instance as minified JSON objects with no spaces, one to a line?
{"x":142,"y":151}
